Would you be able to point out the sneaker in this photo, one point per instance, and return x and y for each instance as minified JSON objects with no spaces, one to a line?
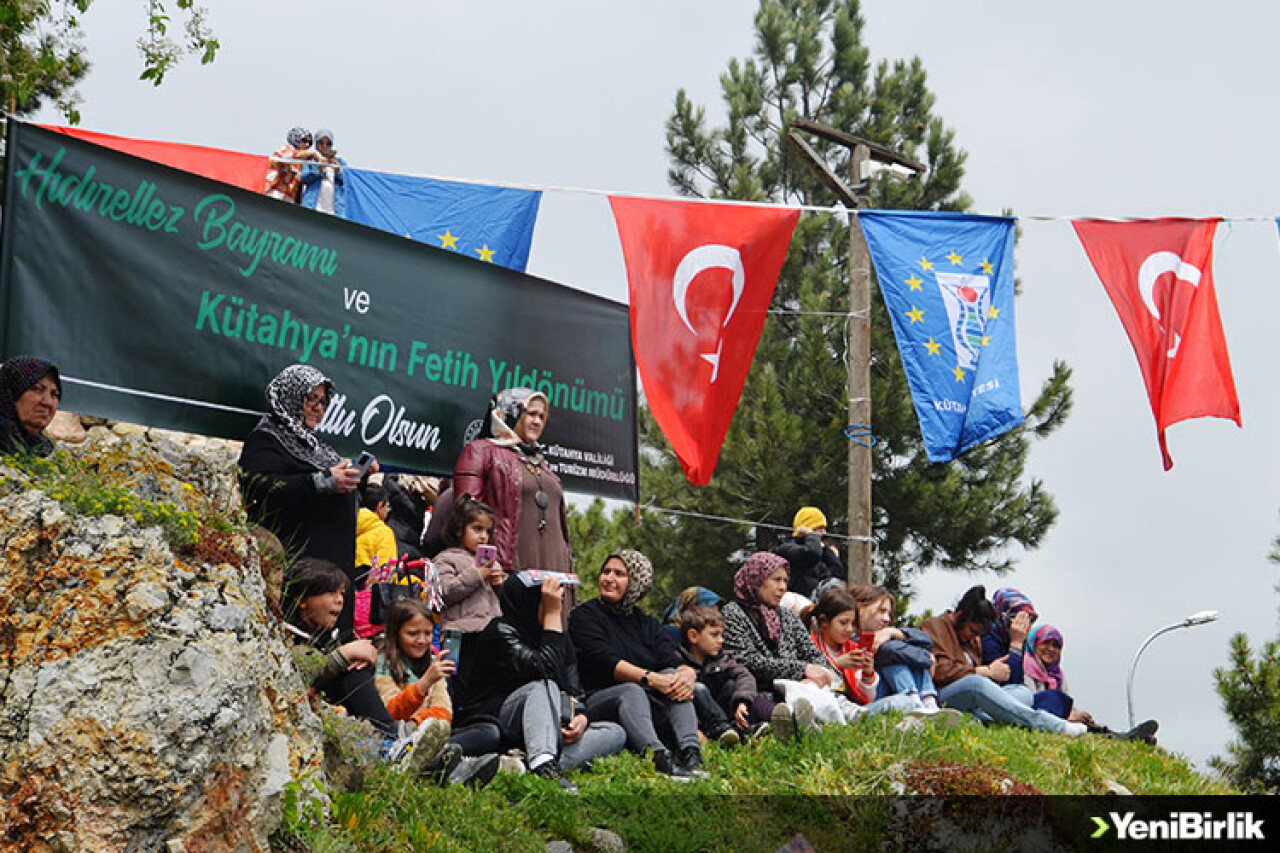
{"x":550,"y":770}
{"x":945,"y":718}
{"x":475,"y":772}
{"x":511,"y":764}
{"x":665,"y":764}
{"x":806,"y":720}
{"x":691,"y":761}
{"x":929,"y":702}
{"x":728,"y":739}
{"x":1074,"y":729}
{"x":440,"y":769}
{"x":783,"y":722}
{"x":425,"y":745}
{"x":1144,"y":731}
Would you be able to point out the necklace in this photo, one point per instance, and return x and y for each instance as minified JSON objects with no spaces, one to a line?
{"x":539,"y":497}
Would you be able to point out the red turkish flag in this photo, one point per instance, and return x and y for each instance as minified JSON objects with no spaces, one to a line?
{"x":701,"y":276}
{"x":247,"y":171}
{"x":1159,"y":275}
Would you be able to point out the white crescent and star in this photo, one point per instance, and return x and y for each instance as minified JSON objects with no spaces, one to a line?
{"x":700,"y":259}
{"x":1156,"y":265}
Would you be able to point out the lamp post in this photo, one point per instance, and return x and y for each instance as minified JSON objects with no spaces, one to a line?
{"x":1202,"y":618}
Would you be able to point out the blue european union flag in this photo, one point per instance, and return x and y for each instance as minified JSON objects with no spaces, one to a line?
{"x":492,"y":224}
{"x":947,"y":280}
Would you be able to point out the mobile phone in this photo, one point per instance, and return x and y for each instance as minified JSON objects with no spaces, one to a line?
{"x":452,"y":641}
{"x":867,"y":640}
{"x":363,"y":461}
{"x":486,"y":554}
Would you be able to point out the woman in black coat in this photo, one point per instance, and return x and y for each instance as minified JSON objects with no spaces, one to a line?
{"x":297,"y":486}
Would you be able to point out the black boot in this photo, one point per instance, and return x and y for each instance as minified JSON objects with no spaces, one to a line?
{"x":551,"y":771}
{"x":1144,"y":731}
{"x":665,"y":764}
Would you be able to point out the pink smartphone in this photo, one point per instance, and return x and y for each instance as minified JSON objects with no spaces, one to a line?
{"x":486,"y":554}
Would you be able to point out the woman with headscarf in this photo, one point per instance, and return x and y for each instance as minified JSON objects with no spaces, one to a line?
{"x":1015,"y":615}
{"x":506,"y":469}
{"x":632,"y":669}
{"x":30,"y":390}
{"x":296,"y":485}
{"x":522,"y":672}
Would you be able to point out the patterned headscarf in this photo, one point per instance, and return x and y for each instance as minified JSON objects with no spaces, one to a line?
{"x":1009,"y":602}
{"x":297,"y":136}
{"x":639,"y":579}
{"x":19,"y":375}
{"x":746,"y":588}
{"x":285,"y":397}
{"x":1034,"y":667}
{"x":505,"y":410}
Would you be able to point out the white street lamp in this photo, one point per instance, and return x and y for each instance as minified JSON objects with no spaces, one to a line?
{"x":1202,"y":618}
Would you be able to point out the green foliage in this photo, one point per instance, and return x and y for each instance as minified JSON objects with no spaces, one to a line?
{"x":786,"y":446}
{"x":82,"y":488}
{"x":1250,"y":691}
{"x":42,"y":55}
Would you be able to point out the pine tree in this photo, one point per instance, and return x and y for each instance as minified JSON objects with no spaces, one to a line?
{"x":1250,"y":691}
{"x":786,"y":447}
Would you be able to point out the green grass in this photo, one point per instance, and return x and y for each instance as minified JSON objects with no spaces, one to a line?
{"x":828,"y":787}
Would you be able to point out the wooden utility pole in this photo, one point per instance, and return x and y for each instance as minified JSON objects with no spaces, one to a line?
{"x":855,"y":196}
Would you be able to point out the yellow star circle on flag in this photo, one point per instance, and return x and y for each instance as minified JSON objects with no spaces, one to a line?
{"x":933,"y":346}
{"x":955,"y":259}
{"x":485,"y":253}
{"x":915,"y":283}
{"x":959,"y":374}
{"x":447,"y":240}
{"x":925,"y":263}
{"x":915,"y":314}
{"x":987,"y":267}
{"x":994,"y":312}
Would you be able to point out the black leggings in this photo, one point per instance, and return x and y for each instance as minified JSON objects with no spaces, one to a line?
{"x":355,"y":691}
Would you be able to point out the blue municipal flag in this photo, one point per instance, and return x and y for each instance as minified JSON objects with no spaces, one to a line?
{"x":493,"y":224}
{"x":947,"y":280}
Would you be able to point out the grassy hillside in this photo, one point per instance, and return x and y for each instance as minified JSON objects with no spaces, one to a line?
{"x":827,"y":787}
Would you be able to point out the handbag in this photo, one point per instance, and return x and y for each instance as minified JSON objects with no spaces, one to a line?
{"x":383,"y":594}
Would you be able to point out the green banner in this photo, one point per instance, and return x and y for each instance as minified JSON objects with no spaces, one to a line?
{"x":171,"y":300}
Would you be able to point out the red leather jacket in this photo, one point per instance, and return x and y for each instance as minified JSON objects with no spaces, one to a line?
{"x":491,"y":473}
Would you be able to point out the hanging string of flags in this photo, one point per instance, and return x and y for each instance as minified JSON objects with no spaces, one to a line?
{"x":701,"y":275}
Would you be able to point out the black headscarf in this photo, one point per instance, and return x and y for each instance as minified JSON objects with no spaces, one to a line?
{"x":286,"y":395}
{"x":19,"y":375}
{"x":520,"y":607}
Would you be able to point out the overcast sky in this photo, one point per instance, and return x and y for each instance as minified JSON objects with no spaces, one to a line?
{"x":1064,"y":109}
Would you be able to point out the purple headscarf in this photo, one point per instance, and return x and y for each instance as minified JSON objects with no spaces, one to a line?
{"x":746,"y":588}
{"x":1032,"y":665}
{"x":1009,"y":602}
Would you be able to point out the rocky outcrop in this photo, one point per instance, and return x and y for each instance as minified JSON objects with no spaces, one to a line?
{"x":147,"y":698}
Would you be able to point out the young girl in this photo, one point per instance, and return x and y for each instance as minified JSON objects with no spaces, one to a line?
{"x":467,"y":586}
{"x":833,"y":623}
{"x":412,"y":683}
{"x":903,"y":656}
{"x":313,"y":601}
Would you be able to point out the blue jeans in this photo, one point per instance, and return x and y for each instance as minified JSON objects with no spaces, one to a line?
{"x":899,"y":678}
{"x":987,"y":700}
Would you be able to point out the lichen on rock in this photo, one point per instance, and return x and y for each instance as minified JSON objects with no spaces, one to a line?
{"x":147,"y":697}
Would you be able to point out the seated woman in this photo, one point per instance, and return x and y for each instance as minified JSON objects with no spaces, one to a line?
{"x":903,"y":656}
{"x":1004,"y":642}
{"x":966,"y":684}
{"x":1045,"y":678}
{"x":632,"y":670}
{"x":296,"y":485}
{"x":522,"y":670}
{"x":772,"y":642}
{"x":833,"y":621}
{"x":313,"y":598}
{"x":30,"y":390}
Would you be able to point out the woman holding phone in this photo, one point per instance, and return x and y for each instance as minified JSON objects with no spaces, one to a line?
{"x":507,"y":470}
{"x":296,"y":485}
{"x":903,"y":656}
